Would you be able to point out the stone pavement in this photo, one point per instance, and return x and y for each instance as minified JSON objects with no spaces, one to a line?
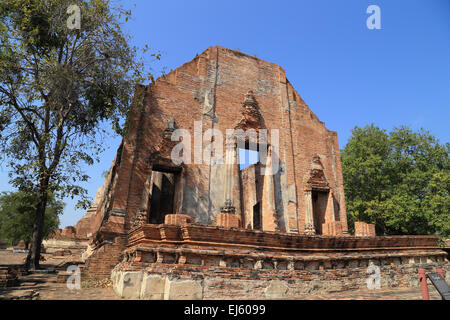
{"x":8,"y":257}
{"x":48,"y":289}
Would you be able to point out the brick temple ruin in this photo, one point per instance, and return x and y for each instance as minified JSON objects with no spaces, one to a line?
{"x":211,"y":230}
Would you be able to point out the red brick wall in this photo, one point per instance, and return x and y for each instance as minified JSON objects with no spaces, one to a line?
{"x":364,"y":229}
{"x":226,"y":76}
{"x":178,"y":219}
{"x":228,"y":220}
{"x":103,"y":260}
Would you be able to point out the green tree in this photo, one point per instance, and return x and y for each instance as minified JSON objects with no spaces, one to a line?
{"x":17,"y":211}
{"x":58,"y":86}
{"x":399,"y":180}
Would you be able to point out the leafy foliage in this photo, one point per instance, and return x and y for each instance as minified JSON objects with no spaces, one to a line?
{"x":399,"y":180}
{"x":17,"y":211}
{"x":58,"y":86}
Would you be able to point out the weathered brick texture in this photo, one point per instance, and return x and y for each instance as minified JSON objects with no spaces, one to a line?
{"x":364,"y":229}
{"x":103,"y":260}
{"x":178,"y":219}
{"x":228,"y":220}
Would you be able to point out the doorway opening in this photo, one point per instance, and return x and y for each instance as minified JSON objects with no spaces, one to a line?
{"x":319,"y":204}
{"x":162,"y":197}
{"x":257,"y":223}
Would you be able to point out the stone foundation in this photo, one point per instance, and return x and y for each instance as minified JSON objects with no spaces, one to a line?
{"x":172,"y":282}
{"x":205,"y":262}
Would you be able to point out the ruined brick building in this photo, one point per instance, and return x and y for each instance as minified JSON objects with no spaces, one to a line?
{"x":191,"y":230}
{"x":308,"y":195}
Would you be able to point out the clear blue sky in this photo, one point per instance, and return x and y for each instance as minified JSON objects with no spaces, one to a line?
{"x":348,"y":75}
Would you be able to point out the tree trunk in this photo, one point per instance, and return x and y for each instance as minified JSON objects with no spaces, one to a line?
{"x":34,"y":254}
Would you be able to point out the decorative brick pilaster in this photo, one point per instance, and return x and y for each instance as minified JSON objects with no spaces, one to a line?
{"x":371,"y":230}
{"x":270,"y":216}
{"x":228,"y":220}
{"x":333,"y":228}
{"x":309,"y":225}
{"x":363,"y":229}
{"x":178,"y":219}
